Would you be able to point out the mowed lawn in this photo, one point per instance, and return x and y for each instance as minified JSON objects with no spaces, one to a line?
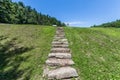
{"x":96,"y":52}
{"x":23,"y":51}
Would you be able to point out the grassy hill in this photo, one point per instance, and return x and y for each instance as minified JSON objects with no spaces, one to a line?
{"x":96,"y":52}
{"x":114,"y":24}
{"x":24,"y":49}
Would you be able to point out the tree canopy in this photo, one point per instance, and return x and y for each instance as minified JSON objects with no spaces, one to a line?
{"x":18,"y":13}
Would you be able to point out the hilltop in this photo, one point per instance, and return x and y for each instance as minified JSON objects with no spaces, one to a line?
{"x":114,"y":24}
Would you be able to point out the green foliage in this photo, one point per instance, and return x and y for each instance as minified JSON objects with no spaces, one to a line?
{"x":96,"y":52}
{"x":115,"y":24}
{"x":18,"y":13}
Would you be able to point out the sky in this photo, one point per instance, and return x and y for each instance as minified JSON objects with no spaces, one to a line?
{"x":82,"y":13}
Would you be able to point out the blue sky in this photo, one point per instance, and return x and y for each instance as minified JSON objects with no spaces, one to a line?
{"x":81,"y":13}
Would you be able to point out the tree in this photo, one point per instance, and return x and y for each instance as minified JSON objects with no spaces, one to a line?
{"x":18,"y":13}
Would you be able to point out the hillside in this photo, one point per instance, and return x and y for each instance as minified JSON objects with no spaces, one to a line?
{"x":18,"y":13}
{"x":23,"y":51}
{"x":96,"y":52}
{"x":25,"y":48}
{"x":114,"y":24}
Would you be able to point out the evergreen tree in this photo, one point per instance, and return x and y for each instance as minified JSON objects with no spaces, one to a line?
{"x":18,"y":13}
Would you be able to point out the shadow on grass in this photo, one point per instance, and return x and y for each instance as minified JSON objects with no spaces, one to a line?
{"x":10,"y":60}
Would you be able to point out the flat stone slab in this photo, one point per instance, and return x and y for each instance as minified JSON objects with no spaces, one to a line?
{"x":66,"y":42}
{"x":59,"y":37}
{"x":60,"y":33}
{"x":60,"y":46}
{"x":60,"y":50}
{"x":61,"y":40}
{"x":62,"y":73}
{"x":59,"y":62}
{"x":59,"y":43}
{"x":60,"y":55}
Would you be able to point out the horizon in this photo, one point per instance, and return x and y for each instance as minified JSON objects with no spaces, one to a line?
{"x":78,"y":13}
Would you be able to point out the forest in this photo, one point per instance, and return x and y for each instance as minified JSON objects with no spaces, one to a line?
{"x":18,"y":13}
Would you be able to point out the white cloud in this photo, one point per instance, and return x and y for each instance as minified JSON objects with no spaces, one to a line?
{"x":75,"y":23}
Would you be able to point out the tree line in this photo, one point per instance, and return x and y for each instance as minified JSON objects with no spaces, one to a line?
{"x":18,"y":13}
{"x":115,"y":24}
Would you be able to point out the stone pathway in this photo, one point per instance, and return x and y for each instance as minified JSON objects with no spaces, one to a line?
{"x":59,"y":62}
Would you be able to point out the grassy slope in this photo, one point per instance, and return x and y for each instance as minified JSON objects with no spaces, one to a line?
{"x":23,"y":51}
{"x":96,"y":52}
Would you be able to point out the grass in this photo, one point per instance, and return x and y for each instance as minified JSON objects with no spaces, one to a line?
{"x":96,"y":52}
{"x":23,"y":51}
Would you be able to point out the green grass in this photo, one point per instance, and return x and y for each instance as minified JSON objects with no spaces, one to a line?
{"x":23,"y":51}
{"x":96,"y":52}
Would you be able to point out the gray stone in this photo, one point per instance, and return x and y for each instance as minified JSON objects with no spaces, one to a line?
{"x":61,"y":40}
{"x":55,"y":42}
{"x":60,"y":50}
{"x":64,"y":40}
{"x":59,"y":62}
{"x":59,"y":43}
{"x":60,"y":46}
{"x":60,"y":55}
{"x":60,"y":33}
{"x":59,"y":37}
{"x":62,"y":73}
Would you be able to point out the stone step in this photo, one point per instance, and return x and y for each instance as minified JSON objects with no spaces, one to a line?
{"x":60,"y":46}
{"x":55,"y":42}
{"x":62,"y":73}
{"x":59,"y":37}
{"x":61,"y":40}
{"x":60,"y":33}
{"x":59,"y":62}
{"x":59,"y":43}
{"x":60,"y":55}
{"x":60,"y":50}
{"x":60,"y":30}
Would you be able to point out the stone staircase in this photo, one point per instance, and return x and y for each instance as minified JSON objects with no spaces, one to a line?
{"x":59,"y":63}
